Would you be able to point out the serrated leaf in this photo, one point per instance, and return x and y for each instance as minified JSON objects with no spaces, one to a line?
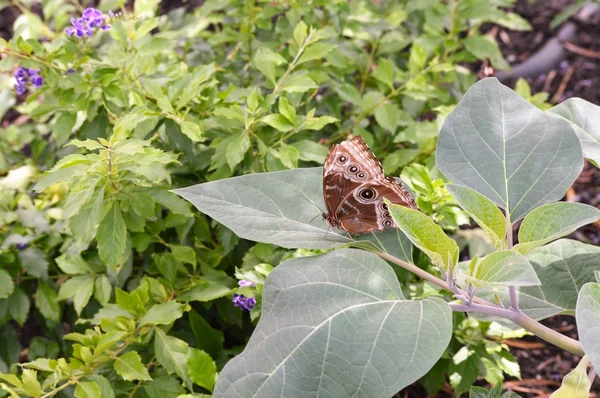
{"x":192,"y":131}
{"x":88,"y":144}
{"x":18,"y":306}
{"x":387,"y":116}
{"x":298,"y":84}
{"x":484,"y":47}
{"x":588,"y":321}
{"x":563,"y":267}
{"x":300,"y":32}
{"x":63,"y":126}
{"x":506,"y":268}
{"x":102,"y":289}
{"x":553,"y":221}
{"x":172,"y":353}
{"x":31,"y":385}
{"x":163,"y":314}
{"x":87,"y":389}
{"x":6,"y":284}
{"x":311,"y":151}
{"x":80,"y":289}
{"x":483,"y":211}
{"x":318,"y":123}
{"x":72,"y":264}
{"x":265,"y":60}
{"x":205,"y":291}
{"x":287,"y":110}
{"x":201,"y":368}
{"x":505,"y":148}
{"x":129,"y":366}
{"x":417,"y":58}
{"x":207,"y":338}
{"x":34,"y":262}
{"x":237,"y":146}
{"x":278,"y":122}
{"x":112,"y":237}
{"x":302,"y":334}
{"x":585,"y":118}
{"x":385,"y":72}
{"x":46,"y":301}
{"x":315,"y":51}
{"x":426,"y":235}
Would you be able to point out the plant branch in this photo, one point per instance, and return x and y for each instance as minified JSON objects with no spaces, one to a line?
{"x":484,"y":307}
{"x":292,"y":65}
{"x":512,"y":290}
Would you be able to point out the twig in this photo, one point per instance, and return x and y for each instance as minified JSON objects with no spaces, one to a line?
{"x":563,"y":84}
{"x":584,"y":52}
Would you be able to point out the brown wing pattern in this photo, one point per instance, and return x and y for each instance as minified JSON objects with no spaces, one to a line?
{"x":354,"y":186}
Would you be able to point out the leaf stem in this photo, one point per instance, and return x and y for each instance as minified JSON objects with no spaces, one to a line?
{"x":484,"y":307}
{"x":512,"y":290}
{"x":292,"y":65}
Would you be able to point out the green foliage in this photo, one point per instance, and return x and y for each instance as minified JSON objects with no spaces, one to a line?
{"x":93,"y":236}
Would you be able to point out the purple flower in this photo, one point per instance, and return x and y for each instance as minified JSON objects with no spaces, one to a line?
{"x":90,"y":20}
{"x":21,"y":246}
{"x":26,"y":76}
{"x":246,"y":303}
{"x":244,"y":283}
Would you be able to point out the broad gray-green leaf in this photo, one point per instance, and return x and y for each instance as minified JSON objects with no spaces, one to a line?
{"x":505,"y":148}
{"x":363,"y":340}
{"x":282,"y":208}
{"x":426,"y":235}
{"x":485,"y":213}
{"x":563,"y":267}
{"x":588,"y":321}
{"x":553,"y":221}
{"x":503,"y":268}
{"x":585,"y":118}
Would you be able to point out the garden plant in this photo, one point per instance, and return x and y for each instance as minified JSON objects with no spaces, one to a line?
{"x":161,"y":200}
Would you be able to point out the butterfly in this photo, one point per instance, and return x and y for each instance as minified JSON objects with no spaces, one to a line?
{"x":486,"y":69}
{"x":354,"y":186}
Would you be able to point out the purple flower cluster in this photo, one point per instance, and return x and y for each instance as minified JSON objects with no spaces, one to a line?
{"x":26,"y":76}
{"x":247,"y":303}
{"x":90,"y":20}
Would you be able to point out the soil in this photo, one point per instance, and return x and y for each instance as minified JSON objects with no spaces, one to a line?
{"x":578,"y":75}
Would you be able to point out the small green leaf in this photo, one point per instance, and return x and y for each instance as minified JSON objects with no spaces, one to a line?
{"x":201,"y":368}
{"x":287,"y":110}
{"x":129,"y":366}
{"x":385,"y":72}
{"x":88,"y":144}
{"x":31,"y":385}
{"x":484,"y":47}
{"x":289,"y":156}
{"x":426,"y":235}
{"x":311,"y":151}
{"x":315,"y":51}
{"x":87,"y":389}
{"x":163,"y":314}
{"x":46,"y":301}
{"x":171,"y":353}
{"x":278,"y":122}
{"x":102,"y":289}
{"x":417,"y":59}
{"x":72,"y":264}
{"x":34,"y":262}
{"x":80,"y":288}
{"x":298,"y":84}
{"x":553,"y":221}
{"x":504,"y":268}
{"x":318,"y":123}
{"x":185,"y":254}
{"x":204,"y":291}
{"x":207,"y":338}
{"x":192,"y":131}
{"x":6,"y":284}
{"x":237,"y":146}
{"x":386,"y":116}
{"x":483,"y":211}
{"x":266,"y":60}
{"x":300,"y":32}
{"x":18,"y":306}
{"x":63,"y":127}
{"x":112,"y":237}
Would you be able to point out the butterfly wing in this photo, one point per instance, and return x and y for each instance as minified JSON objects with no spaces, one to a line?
{"x":364,"y":210}
{"x":347,"y":166}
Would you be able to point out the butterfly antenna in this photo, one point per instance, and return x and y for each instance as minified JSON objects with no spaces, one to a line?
{"x":312,"y":203}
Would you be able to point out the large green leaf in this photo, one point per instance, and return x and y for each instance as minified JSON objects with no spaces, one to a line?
{"x":337,"y":325}
{"x":505,"y":148}
{"x":506,"y":268}
{"x":485,"y":213}
{"x":426,"y":235}
{"x":563,"y":267}
{"x":588,"y":321}
{"x":552,"y":221}
{"x":585,"y":118}
{"x":283,"y":208}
